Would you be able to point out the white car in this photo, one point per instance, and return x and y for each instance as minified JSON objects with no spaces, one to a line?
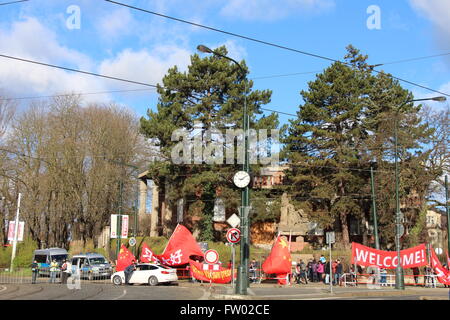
{"x":147,"y":273}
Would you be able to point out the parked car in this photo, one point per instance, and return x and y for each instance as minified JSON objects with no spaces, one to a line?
{"x":91,"y":266}
{"x":45,"y":256}
{"x":147,"y":273}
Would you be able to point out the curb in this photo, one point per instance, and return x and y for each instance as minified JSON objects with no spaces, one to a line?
{"x":319,"y":296}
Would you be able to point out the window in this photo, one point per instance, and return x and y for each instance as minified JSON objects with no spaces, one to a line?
{"x":40,"y":258}
{"x":59,"y":257}
{"x":97,"y":260}
{"x":142,"y":268}
{"x":75,"y":261}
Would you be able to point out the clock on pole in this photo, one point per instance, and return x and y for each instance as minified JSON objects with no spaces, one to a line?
{"x":241,"y":179}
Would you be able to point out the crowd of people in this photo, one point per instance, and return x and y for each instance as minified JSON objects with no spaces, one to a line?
{"x":319,"y":270}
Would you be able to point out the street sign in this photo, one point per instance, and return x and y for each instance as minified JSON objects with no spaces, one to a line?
{"x":124,"y":233}
{"x":211,"y":256}
{"x":330,"y":237}
{"x":203,"y":246}
{"x":439,"y":251}
{"x":401,"y":230}
{"x":209,"y":267}
{"x":234,"y":220}
{"x":233,"y":235}
{"x":132,"y":241}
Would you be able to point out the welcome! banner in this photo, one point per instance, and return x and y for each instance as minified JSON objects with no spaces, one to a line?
{"x":220,"y":276}
{"x":410,"y":258}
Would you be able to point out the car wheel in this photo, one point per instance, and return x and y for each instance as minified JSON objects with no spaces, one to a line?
{"x":117,"y":280}
{"x":153,"y":281}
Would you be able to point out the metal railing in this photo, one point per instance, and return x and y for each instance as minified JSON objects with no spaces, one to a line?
{"x":388,"y":280}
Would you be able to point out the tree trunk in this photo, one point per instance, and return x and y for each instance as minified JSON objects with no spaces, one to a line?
{"x":345,"y":231}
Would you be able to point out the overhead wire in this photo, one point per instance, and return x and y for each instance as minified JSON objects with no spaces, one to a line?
{"x":261,"y":42}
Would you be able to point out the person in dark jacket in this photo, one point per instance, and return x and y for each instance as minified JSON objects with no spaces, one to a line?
{"x":339,"y":271}
{"x":129,"y":271}
{"x":35,"y":271}
{"x":416,"y":273}
{"x":327,"y":272}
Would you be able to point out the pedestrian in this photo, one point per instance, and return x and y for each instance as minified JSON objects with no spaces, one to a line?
{"x":64,"y":274}
{"x":383,"y":276}
{"x":327,"y":272}
{"x":338,"y":272}
{"x":323,"y":259}
{"x":129,"y":271}
{"x":309,"y":270}
{"x":314,"y":271}
{"x":320,"y":269}
{"x":53,"y":271}
{"x":253,"y":267}
{"x":303,"y":269}
{"x":353,"y":275}
{"x":416,"y":273}
{"x":35,"y":271}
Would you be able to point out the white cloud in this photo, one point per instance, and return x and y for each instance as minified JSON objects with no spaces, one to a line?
{"x":31,"y":40}
{"x":269,"y":10}
{"x":438,"y":12}
{"x":117,"y":23}
{"x":146,"y":66}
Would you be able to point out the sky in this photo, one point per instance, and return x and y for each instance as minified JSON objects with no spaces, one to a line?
{"x":103,"y":37}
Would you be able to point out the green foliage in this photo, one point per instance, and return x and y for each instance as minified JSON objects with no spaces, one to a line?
{"x":24,"y":254}
{"x":5,"y":257}
{"x":212,"y":92}
{"x":344,"y":127}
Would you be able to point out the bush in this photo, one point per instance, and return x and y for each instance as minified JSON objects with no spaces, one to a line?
{"x":24,"y":254}
{"x":5,"y":257}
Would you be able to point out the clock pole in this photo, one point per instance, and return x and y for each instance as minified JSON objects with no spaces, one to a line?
{"x":242,"y":280}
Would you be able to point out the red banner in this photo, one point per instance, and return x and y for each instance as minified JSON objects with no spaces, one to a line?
{"x":443,"y":275}
{"x":410,"y":258}
{"x":215,"y":276}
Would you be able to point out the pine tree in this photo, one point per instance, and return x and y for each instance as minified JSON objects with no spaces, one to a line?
{"x":211,"y":93}
{"x":344,"y":127}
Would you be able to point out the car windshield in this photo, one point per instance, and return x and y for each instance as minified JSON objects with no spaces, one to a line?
{"x":59,"y":257}
{"x":97,"y":260}
{"x":164,"y":267}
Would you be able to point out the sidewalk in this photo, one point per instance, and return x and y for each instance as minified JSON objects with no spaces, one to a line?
{"x":317,"y":291}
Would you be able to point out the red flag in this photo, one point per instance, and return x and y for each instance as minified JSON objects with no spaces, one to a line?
{"x":124,"y":259}
{"x":279,"y":261}
{"x":181,"y":246}
{"x":147,"y":255}
{"x":443,"y":275}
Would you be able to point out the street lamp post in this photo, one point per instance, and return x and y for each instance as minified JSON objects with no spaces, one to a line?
{"x":242,"y":280}
{"x":399,"y":275}
{"x":119,"y":222}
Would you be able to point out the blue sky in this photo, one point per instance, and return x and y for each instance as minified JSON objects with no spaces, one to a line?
{"x":121,"y":42}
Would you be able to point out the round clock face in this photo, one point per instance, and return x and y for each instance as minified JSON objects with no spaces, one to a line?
{"x":241,"y":179}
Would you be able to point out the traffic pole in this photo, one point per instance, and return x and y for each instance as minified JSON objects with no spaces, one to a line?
{"x":374,"y":208}
{"x":16,"y":229}
{"x":448,"y":216}
{"x":331,"y":271}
